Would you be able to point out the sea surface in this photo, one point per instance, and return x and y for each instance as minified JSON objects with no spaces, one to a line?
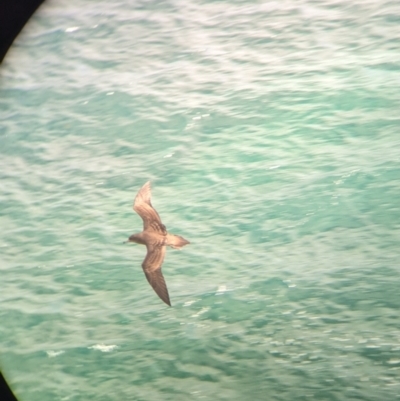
{"x":270,"y":131}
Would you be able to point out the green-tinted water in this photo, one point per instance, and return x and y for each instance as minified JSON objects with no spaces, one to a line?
{"x":270,"y":132}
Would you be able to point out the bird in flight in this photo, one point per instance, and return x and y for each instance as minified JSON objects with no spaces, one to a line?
{"x":156,"y":238}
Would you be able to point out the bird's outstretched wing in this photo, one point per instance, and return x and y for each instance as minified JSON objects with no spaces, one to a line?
{"x":152,"y":269}
{"x":144,"y":208}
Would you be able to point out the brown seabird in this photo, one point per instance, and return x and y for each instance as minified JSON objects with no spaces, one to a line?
{"x":156,"y":238}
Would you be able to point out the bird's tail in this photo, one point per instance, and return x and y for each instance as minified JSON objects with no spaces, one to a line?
{"x":176,"y":241}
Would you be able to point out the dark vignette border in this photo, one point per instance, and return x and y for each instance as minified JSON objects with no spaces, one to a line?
{"x":14,"y":14}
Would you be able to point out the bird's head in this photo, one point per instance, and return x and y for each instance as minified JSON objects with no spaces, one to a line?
{"x":136,"y":238}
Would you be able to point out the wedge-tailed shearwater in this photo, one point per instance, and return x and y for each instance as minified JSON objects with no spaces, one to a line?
{"x":156,"y":238}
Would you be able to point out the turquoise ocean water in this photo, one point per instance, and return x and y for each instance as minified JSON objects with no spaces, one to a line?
{"x":271,"y":134}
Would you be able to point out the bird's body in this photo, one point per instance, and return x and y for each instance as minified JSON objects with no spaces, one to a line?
{"x":156,"y":238}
